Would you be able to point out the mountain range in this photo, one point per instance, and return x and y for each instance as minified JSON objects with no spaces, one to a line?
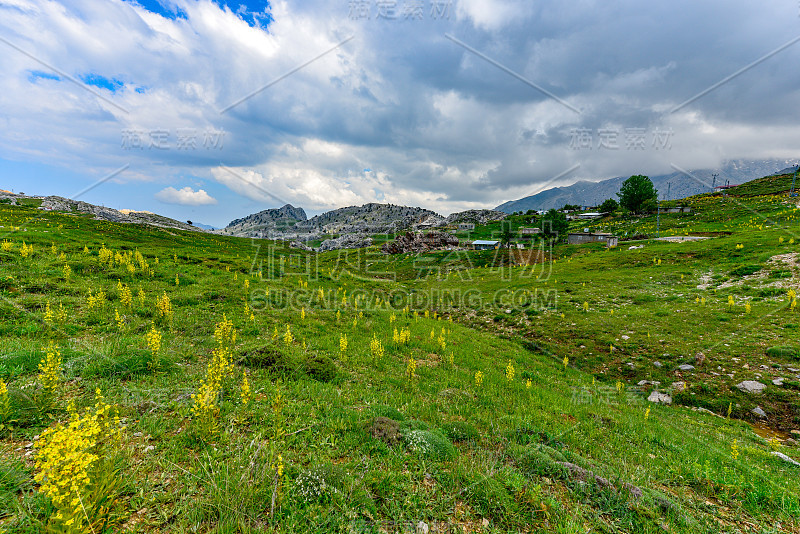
{"x":670,"y":186}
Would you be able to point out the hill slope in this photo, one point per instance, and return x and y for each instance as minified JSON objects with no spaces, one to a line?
{"x":300,"y":392}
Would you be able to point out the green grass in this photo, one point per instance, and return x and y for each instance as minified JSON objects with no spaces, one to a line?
{"x":462,"y":453}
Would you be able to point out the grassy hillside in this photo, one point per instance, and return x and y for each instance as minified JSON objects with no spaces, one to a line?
{"x":449,"y":388}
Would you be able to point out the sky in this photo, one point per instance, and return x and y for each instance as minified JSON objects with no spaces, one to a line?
{"x":209,"y":111}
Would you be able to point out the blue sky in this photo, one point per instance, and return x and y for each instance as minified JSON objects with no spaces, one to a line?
{"x":216,"y":110}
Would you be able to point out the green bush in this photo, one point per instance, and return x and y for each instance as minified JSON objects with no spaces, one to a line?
{"x":536,"y":462}
{"x":490,"y":498}
{"x":460,"y":431}
{"x":321,"y":368}
{"x":381,"y":410}
{"x":269,"y":357}
{"x":784,"y":351}
{"x":429,"y":444}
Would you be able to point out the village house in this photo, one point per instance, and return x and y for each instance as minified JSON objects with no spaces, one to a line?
{"x":579,"y":238}
{"x":483,"y":244}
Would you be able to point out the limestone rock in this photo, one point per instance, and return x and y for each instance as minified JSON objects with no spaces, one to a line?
{"x":410,"y":242}
{"x":659,"y":398}
{"x":346,"y":241}
{"x":785,"y":458}
{"x":751,"y":386}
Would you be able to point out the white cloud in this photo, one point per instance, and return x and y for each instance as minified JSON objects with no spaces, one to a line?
{"x":439,"y":126}
{"x":185,"y":197}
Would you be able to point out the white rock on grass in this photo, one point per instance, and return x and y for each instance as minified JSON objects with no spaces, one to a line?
{"x":759,"y":412}
{"x":659,"y":398}
{"x":785,"y":458}
{"x":751,"y":386}
{"x":686,"y":367}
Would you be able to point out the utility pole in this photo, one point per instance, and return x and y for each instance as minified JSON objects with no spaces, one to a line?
{"x":714,"y":181}
{"x":669,"y":186}
{"x":658,"y":217}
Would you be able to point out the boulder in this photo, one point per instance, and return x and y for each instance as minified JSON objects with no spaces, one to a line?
{"x":659,"y":398}
{"x":679,"y":386}
{"x":759,"y":412}
{"x":751,"y":386}
{"x":686,"y":367}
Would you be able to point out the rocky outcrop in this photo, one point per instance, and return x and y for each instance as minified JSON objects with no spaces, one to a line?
{"x":274,"y":223}
{"x":346,"y":241}
{"x":301,"y":246}
{"x":369,"y":219}
{"x":290,"y":223}
{"x":751,"y":386}
{"x":55,"y":203}
{"x":410,"y":242}
{"x":476,"y":216}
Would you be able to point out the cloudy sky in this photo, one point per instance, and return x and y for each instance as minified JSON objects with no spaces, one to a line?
{"x":209,"y":110}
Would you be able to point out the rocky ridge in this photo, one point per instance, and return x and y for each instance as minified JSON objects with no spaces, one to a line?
{"x":101,"y":213}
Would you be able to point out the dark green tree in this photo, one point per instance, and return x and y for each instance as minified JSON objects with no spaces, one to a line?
{"x":635,"y":192}
{"x":554,"y":224}
{"x":608,"y":206}
{"x":506,"y":235}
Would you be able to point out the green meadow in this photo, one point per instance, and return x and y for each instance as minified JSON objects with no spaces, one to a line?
{"x":158,"y":380}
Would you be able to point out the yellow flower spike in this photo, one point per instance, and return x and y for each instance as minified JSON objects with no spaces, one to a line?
{"x":478,"y":378}
{"x":510,"y":371}
{"x":411,"y":368}
{"x":734,"y":449}
{"x":565,"y":361}
{"x":288,"y":337}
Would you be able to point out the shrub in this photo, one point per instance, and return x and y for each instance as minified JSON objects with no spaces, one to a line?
{"x":490,"y":498}
{"x":536,"y":462}
{"x":318,"y":484}
{"x":269,"y":357}
{"x":321,"y":368}
{"x":784,"y":351}
{"x":385,"y":429}
{"x":460,"y":431}
{"x":431,"y":445}
{"x":388,"y":411}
